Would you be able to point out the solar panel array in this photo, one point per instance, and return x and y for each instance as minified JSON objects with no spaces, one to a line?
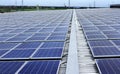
{"x":32,"y":42}
{"x":102,"y":31}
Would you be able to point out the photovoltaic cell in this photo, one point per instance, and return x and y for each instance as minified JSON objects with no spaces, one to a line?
{"x":2,"y":52}
{"x":36,"y":38}
{"x":17,"y":39}
{"x":95,"y":37}
{"x":19,"y":54}
{"x":41,"y":34}
{"x":108,"y":66}
{"x":113,"y":36}
{"x":29,"y":45}
{"x":54,"y":52}
{"x":56,"y":38}
{"x":40,"y":67}
{"x":105,"y":51}
{"x":117,"y":42}
{"x":7,"y":45}
{"x":52,"y":44}
{"x":100,"y":43}
{"x":8,"y":67}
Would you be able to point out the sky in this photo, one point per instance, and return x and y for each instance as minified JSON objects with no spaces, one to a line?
{"x":76,"y":3}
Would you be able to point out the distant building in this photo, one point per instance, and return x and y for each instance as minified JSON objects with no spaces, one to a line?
{"x":115,"y":6}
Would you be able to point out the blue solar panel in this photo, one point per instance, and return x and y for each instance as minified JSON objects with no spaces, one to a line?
{"x":36,"y":38}
{"x":92,"y":32}
{"x":105,"y":28}
{"x":105,"y":52}
{"x":17,"y":39}
{"x":89,"y":28}
{"x":54,"y":52}
{"x":95,"y":37}
{"x":7,"y":45}
{"x":7,"y":35}
{"x":29,"y":45}
{"x":19,"y":54}
{"x":114,"y":36}
{"x":52,"y":44}
{"x":108,"y":66}
{"x":3,"y":38}
{"x":110,"y":32}
{"x":8,"y":67}
{"x":58,"y":34}
{"x":100,"y":43}
{"x":117,"y":42}
{"x":2,"y":52}
{"x":56,"y":38}
{"x":23,"y":35}
{"x":46,"y":30}
{"x":41,"y":34}
{"x":40,"y":67}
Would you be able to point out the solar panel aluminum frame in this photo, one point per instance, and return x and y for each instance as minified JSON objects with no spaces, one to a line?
{"x":41,"y":58}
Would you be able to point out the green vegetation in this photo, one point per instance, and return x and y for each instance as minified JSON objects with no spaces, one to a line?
{"x":27,"y":8}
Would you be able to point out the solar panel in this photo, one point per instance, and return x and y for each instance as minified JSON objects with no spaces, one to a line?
{"x":36,"y":38}
{"x":19,"y":54}
{"x":92,"y":32}
{"x":110,"y":32}
{"x":2,"y":52}
{"x":95,"y":37}
{"x":41,"y":34}
{"x":53,"y":52}
{"x":7,"y":35}
{"x":29,"y":45}
{"x":114,"y":36}
{"x":3,"y":39}
{"x":17,"y":39}
{"x":100,"y":43}
{"x":99,"y":52}
{"x":56,"y":38}
{"x":116,"y":42}
{"x":9,"y":67}
{"x":40,"y":67}
{"x":108,"y":66}
{"x":7,"y":45}
{"x":52,"y":45}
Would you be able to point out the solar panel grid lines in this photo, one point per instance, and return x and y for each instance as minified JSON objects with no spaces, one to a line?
{"x":49,"y":52}
{"x":105,"y":52}
{"x":109,"y":66}
{"x":42,"y":67}
{"x":9,"y":67}
{"x":9,"y":50}
{"x":100,"y":43}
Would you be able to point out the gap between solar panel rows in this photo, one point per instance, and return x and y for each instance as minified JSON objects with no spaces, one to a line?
{"x":103,"y":37}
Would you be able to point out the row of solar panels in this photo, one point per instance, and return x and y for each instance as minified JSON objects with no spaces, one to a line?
{"x":31,"y":50}
{"x":30,"y":67}
{"x":33,"y":44}
{"x":32,"y":37}
{"x":103,"y":38}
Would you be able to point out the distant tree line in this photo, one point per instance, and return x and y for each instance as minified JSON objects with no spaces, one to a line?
{"x":115,"y":6}
{"x":22,"y":8}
